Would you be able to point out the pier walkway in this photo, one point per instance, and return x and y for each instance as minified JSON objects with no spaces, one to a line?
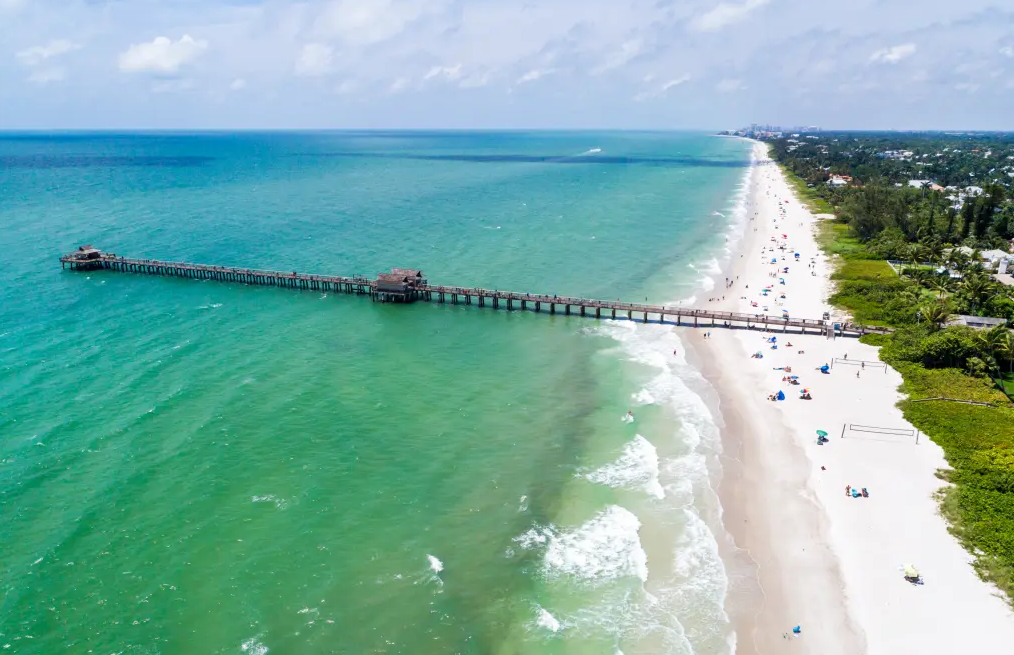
{"x":405,"y":285}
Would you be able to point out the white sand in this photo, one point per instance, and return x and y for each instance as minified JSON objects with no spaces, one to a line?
{"x":830,"y":563}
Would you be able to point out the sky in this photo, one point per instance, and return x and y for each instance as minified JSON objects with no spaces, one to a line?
{"x":580,"y":64}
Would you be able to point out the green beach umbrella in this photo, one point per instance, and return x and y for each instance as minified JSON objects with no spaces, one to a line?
{"x":821,"y":433}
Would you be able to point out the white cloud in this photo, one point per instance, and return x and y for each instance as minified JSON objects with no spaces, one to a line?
{"x":1007,"y":51}
{"x":533,"y":75}
{"x":346,"y":87}
{"x":315,"y":59}
{"x":894,"y":54}
{"x":161,"y":55}
{"x":660,"y":90}
{"x":729,"y":85}
{"x":46,"y":75}
{"x":238,"y":84}
{"x":621,"y":57}
{"x":446,"y":72}
{"x":476,"y":81}
{"x":11,"y":5}
{"x":725,"y":14}
{"x":398,"y":85}
{"x":38,"y":60}
{"x":361,"y":23}
{"x":40,"y":53}
{"x":671,"y":83}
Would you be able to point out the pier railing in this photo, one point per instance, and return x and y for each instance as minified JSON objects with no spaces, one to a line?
{"x":87,"y":258}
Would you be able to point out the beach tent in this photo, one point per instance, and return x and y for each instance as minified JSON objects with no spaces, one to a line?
{"x":772,"y":339}
{"x":781,"y":395}
{"x":911,"y":571}
{"x":825,"y":368}
{"x":774,"y":260}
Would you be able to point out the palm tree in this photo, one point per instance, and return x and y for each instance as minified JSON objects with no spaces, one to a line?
{"x":1005,"y":345}
{"x":960,"y":262}
{"x":936,"y":314}
{"x":915,"y":253}
{"x":921,"y":276}
{"x":940,"y":285}
{"x":977,"y":288}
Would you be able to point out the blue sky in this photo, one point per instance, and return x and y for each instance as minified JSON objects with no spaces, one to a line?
{"x":861,"y":64}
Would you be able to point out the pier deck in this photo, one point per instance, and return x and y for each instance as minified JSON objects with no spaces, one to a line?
{"x":406,"y":286}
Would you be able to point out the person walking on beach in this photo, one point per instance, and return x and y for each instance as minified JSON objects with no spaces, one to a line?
{"x":857,"y":374}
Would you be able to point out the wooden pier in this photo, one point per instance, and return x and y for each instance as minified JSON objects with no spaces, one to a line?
{"x":409,"y":285}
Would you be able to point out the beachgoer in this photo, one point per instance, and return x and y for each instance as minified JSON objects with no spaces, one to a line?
{"x":863,"y":366}
{"x":848,"y":490}
{"x":857,"y":374}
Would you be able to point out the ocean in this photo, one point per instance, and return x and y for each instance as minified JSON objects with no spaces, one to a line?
{"x":201,"y":467}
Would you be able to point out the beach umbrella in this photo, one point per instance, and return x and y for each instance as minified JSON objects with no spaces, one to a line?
{"x":821,"y":433}
{"x":911,"y":571}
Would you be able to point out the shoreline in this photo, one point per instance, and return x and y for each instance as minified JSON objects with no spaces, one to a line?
{"x":797,"y":551}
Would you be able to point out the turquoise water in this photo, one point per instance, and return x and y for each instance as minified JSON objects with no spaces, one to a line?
{"x":193,"y":466}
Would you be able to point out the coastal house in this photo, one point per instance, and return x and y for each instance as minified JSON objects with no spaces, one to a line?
{"x":836,"y":181}
{"x":919,"y":184}
{"x":977,"y":322}
{"x":992,"y":258}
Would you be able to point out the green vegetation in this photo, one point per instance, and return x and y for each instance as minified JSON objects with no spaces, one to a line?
{"x":875,"y":221}
{"x":807,"y":194}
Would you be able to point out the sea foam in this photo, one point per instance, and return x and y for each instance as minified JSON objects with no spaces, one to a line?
{"x":253,"y":646}
{"x":605,"y":547}
{"x":544,"y":619}
{"x":636,"y":468}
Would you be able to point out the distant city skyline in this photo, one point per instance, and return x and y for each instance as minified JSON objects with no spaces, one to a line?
{"x":623,"y":64}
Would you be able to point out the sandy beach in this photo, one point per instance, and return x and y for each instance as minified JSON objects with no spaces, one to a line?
{"x":802,"y":552}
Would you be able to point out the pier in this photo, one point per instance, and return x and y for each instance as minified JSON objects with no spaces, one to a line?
{"x":409,"y":285}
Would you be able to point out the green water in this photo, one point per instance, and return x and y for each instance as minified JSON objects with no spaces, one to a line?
{"x":200,"y":467}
